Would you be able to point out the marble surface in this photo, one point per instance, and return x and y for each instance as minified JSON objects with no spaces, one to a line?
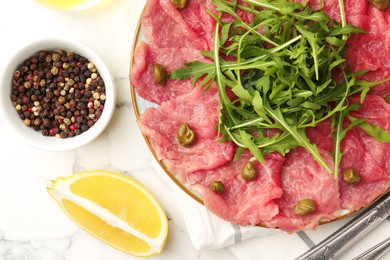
{"x":32,"y":226}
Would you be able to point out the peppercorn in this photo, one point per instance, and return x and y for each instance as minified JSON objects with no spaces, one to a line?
{"x":84,"y":128}
{"x":49,"y":93}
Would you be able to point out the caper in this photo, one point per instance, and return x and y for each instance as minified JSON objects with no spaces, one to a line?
{"x":180,"y":4}
{"x":249,"y":172}
{"x":185,"y":135}
{"x":159,"y":74}
{"x":218,"y":187}
{"x":387,"y":99}
{"x":381,"y":4}
{"x":305,"y":206}
{"x":351,"y":176}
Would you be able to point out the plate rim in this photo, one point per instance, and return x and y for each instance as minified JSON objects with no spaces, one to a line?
{"x":138,"y":115}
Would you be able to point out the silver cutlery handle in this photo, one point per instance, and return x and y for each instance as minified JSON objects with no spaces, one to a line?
{"x":345,"y":237}
{"x":376,"y":251}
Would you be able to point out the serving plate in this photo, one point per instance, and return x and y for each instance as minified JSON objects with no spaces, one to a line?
{"x":141,"y":104}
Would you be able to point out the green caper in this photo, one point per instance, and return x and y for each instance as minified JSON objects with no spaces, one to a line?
{"x":185,"y":135}
{"x":218,"y":187}
{"x":249,"y":172}
{"x":387,"y":99}
{"x":351,"y":176}
{"x":305,"y":206}
{"x":381,"y":4}
{"x":159,"y":74}
{"x":180,"y":4}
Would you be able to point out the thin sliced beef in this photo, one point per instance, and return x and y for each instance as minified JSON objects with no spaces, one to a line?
{"x":362,"y":194}
{"x":141,"y":76}
{"x":354,"y":197}
{"x":321,"y":135}
{"x":365,"y":51}
{"x":375,"y":109}
{"x":243,"y":202}
{"x":245,"y":16}
{"x":197,"y":18}
{"x":166,"y":26}
{"x":355,"y":156}
{"x":363,"y":153}
{"x":379,"y":151}
{"x":370,"y":159}
{"x":200,"y":111}
{"x":303,"y":178}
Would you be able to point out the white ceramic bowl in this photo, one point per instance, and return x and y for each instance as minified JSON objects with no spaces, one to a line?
{"x":28,"y":134}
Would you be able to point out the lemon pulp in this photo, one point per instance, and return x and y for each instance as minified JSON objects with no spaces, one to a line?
{"x":114,"y":208}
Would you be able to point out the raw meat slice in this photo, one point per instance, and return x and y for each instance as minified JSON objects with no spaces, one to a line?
{"x":141,"y":76}
{"x":165,"y":26}
{"x":364,"y":154}
{"x":375,"y":109}
{"x":365,"y":51}
{"x":379,"y":151}
{"x":197,"y":18}
{"x":371,"y":159}
{"x":362,"y":194}
{"x":245,"y":16}
{"x":355,"y":156}
{"x":200,"y":111}
{"x":303,"y":178}
{"x":321,"y":135}
{"x":243,"y":202}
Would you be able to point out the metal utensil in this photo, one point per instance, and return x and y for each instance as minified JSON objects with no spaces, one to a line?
{"x":375,"y":252}
{"x":345,"y":237}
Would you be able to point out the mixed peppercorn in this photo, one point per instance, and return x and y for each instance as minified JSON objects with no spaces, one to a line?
{"x":58,"y":93}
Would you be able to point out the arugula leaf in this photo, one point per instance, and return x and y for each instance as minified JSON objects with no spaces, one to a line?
{"x":378,"y":133}
{"x":340,"y":133}
{"x":299,"y":135}
{"x":247,"y":141}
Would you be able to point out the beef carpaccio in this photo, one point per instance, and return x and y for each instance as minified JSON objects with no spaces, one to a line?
{"x":176,"y":36}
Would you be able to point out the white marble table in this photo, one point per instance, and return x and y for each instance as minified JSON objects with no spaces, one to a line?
{"x":32,"y":226}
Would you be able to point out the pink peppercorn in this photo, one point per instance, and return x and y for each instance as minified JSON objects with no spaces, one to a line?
{"x":72,"y":127}
{"x":51,"y":131}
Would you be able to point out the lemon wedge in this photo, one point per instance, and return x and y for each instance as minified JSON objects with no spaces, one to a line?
{"x":114,"y":208}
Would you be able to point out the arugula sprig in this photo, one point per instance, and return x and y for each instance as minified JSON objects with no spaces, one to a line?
{"x":340,"y":132}
{"x":280,"y":68}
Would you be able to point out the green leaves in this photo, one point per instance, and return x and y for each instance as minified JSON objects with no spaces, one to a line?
{"x":279,"y":65}
{"x":340,"y":132}
{"x":376,"y":132}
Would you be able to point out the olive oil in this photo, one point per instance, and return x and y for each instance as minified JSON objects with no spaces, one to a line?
{"x":75,"y":5}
